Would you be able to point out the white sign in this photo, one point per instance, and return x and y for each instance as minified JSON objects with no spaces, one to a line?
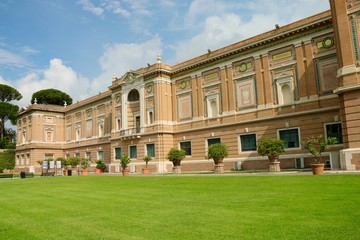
{"x":45,"y":165}
{"x":52,"y":164}
{"x":58,"y":164}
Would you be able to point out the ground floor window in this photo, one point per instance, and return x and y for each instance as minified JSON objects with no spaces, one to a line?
{"x":290,"y":137}
{"x":334,"y":130}
{"x":117,"y":153}
{"x":212,"y":141}
{"x":150,"y":150}
{"x":100,"y":155}
{"x":133,"y":151}
{"x":248,"y":142}
{"x":186,"y":146}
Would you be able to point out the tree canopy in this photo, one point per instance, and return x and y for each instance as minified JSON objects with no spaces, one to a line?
{"x":51,"y":96}
{"x":8,"y":111}
{"x":8,"y":93}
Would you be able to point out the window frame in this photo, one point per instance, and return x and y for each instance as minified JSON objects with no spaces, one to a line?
{"x":117,"y":159}
{"x":131,"y":157}
{"x":147,"y":150}
{"x":326,"y":133}
{"x":240,"y":142}
{"x":187,"y":155}
{"x":288,"y":129}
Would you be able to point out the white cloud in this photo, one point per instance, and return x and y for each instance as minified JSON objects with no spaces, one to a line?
{"x":119,"y":58}
{"x":88,"y":6}
{"x":57,"y":75}
{"x":115,"y":7}
{"x":219,"y":23}
{"x":11,"y":59}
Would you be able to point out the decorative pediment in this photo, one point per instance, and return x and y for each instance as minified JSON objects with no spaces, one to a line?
{"x":129,"y":77}
{"x":283,"y":75}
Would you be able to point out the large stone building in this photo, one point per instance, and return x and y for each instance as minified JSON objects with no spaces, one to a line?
{"x":294,"y":82}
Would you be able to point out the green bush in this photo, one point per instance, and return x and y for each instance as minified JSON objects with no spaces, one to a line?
{"x":124,"y":161}
{"x":176,"y":156}
{"x":7,"y":160}
{"x":217,"y":152}
{"x":317,"y":145}
{"x":100,"y":164}
{"x":271,"y":147}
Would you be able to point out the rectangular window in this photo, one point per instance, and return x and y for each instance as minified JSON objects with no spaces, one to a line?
{"x":290,"y":137}
{"x":100,"y":155}
{"x":133,"y":152}
{"x":150,"y":150}
{"x":248,"y":142}
{"x":334,"y":130}
{"x":212,"y":141}
{"x":186,"y":146}
{"x":77,"y":155}
{"x":117,"y":153}
{"x":88,"y":155}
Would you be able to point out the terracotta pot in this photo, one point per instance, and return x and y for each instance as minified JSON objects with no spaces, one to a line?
{"x":84,"y":172}
{"x":317,"y":169}
{"x":125,"y":172}
{"x":218,"y":161}
{"x":273,"y":158}
{"x":98,"y":171}
{"x":145,"y":171}
{"x":177,"y":163}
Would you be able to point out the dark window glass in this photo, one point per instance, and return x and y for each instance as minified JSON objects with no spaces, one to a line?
{"x":290,"y":137}
{"x":334,"y":130}
{"x":150,"y":150}
{"x":186,"y":146}
{"x":133,"y":152}
{"x":213,"y":141}
{"x":248,"y":142}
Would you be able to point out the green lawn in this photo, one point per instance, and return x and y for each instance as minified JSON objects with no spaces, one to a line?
{"x":181,"y":207}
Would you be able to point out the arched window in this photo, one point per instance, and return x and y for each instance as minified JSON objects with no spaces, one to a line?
{"x":133,"y":96}
{"x":286,"y":94}
{"x":213,"y":109}
{"x":151,"y":119}
{"x":101,"y":129}
{"x":118,"y":124}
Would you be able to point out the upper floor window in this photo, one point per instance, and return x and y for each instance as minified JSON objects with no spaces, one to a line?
{"x":133,"y":96}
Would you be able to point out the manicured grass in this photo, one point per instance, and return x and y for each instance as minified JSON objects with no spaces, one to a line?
{"x":181,"y":207}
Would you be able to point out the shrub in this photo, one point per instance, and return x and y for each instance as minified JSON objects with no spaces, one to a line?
{"x":100,"y":164}
{"x":271,"y":147}
{"x":124,"y":161}
{"x":176,"y":156}
{"x":217,"y":152}
{"x":317,"y":145}
{"x":7,"y":160}
{"x":147,"y":159}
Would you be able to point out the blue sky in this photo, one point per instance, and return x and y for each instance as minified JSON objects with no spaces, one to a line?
{"x":77,"y":45}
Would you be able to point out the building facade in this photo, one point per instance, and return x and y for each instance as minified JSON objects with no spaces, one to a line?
{"x":294,"y":82}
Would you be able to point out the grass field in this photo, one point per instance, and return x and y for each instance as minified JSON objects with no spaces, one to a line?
{"x":181,"y":207}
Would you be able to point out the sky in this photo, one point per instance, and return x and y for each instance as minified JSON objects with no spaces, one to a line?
{"x":76,"y":46}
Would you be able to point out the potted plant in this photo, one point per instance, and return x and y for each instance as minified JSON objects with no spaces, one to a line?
{"x":272,"y":148}
{"x":85,"y":164}
{"x":64,"y":165}
{"x":146,"y":159}
{"x":100,"y":166}
{"x":176,"y":156}
{"x":315,"y":146}
{"x":218,"y":152}
{"x":73,"y":162}
{"x":124,"y":162}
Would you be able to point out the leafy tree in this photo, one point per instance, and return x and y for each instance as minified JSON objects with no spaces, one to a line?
{"x":51,"y":96}
{"x":8,"y":93}
{"x":7,"y":160}
{"x":8,"y":111}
